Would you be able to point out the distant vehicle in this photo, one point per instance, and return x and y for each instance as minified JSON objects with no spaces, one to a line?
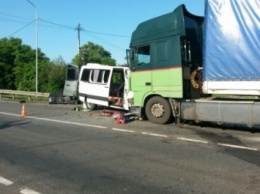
{"x":69,"y":94}
{"x":104,"y":85}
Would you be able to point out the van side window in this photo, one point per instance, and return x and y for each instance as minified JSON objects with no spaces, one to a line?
{"x":94,"y":75}
{"x":71,"y":74}
{"x":85,"y":75}
{"x":106,"y":76}
{"x":100,"y":75}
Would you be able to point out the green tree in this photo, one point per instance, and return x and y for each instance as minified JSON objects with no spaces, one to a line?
{"x":17,"y":66}
{"x":93,"y":53}
{"x":56,"y":71}
{"x":8,"y":51}
{"x":25,"y":69}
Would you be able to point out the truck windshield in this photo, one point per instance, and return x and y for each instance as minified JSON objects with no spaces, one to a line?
{"x":143,"y":55}
{"x":138,"y":56}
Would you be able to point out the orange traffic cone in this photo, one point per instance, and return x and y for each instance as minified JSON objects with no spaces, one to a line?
{"x":23,"y":114}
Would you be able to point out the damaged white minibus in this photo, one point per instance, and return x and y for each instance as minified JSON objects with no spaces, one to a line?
{"x":104,"y":85}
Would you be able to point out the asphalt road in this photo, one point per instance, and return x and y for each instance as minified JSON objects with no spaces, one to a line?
{"x":57,"y":150}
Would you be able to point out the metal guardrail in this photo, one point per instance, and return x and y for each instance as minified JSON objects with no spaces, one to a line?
{"x":23,"y":93}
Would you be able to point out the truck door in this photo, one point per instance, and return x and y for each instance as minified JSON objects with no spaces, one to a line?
{"x":71,"y":82}
{"x":141,"y":79}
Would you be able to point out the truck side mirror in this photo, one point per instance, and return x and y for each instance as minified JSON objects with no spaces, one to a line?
{"x":131,"y":54}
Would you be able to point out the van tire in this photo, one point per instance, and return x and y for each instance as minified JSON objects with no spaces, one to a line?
{"x":51,"y":100}
{"x":158,"y":110}
{"x":90,"y":106}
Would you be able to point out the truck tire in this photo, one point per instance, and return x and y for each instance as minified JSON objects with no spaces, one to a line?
{"x":158,"y":110}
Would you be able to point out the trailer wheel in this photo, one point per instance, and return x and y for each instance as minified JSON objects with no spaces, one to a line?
{"x":158,"y":110}
{"x":90,"y":106}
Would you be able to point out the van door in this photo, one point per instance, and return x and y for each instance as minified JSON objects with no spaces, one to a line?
{"x":97,"y":89}
{"x":71,"y":82}
{"x":119,"y":88}
{"x":126,"y":88}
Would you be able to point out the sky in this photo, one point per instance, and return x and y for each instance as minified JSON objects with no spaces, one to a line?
{"x":108,"y":23}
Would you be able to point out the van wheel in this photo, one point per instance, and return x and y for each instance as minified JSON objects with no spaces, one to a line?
{"x":90,"y":106}
{"x":51,"y":100}
{"x":158,"y":110}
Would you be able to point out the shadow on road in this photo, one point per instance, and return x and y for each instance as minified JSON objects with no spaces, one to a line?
{"x":226,"y":127}
{"x":9,"y":124}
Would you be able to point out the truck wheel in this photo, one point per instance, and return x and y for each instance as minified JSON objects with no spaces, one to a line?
{"x":90,"y":106}
{"x":158,"y":110}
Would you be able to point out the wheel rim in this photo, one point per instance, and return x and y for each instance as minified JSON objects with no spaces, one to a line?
{"x":89,"y":105}
{"x":157,"y":110}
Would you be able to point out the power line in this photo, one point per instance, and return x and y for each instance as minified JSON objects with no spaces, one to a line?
{"x":10,"y":20}
{"x":78,"y":28}
{"x":21,"y":28}
{"x":14,"y":16}
{"x":106,"y":34}
{"x":60,"y":25}
{"x":101,"y":33}
{"x":13,"y":19}
{"x":122,"y":49}
{"x":73,"y":28}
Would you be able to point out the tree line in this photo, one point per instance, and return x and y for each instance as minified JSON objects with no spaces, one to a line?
{"x":18,"y":69}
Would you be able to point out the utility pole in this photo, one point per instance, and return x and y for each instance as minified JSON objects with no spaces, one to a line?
{"x":36,"y":50}
{"x":78,"y":28}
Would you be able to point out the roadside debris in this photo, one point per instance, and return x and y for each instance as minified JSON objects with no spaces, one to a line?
{"x":123,"y":118}
{"x":120,"y":117}
{"x":80,"y":108}
{"x":105,"y":113}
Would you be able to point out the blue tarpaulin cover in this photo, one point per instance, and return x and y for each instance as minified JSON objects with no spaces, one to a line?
{"x":232,"y":40}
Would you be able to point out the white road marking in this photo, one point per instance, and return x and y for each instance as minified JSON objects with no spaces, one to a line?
{"x":28,"y":191}
{"x":5,"y":113}
{"x":123,"y":130}
{"x":154,"y":134}
{"x":67,"y":122}
{"x":58,"y":121}
{"x":192,"y":140}
{"x":235,"y":146}
{"x":5,"y":181}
